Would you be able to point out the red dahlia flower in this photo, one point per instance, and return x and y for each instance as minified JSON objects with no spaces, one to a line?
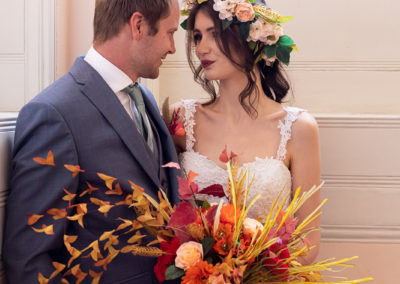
{"x":165,"y":260}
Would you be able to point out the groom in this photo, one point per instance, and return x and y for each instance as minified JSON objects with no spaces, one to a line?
{"x":98,"y":118}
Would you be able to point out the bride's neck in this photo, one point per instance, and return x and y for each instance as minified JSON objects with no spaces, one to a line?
{"x":229,"y":91}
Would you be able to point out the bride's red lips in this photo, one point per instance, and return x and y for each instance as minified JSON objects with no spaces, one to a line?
{"x":206,"y":63}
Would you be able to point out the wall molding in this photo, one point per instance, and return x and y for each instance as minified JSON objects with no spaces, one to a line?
{"x":358,"y":121}
{"x":180,"y":64}
{"x":8,"y":122}
{"x":364,"y":181}
{"x":361,"y":65}
{"x":360,"y":234}
{"x":368,"y":66}
{"x":12,"y":58}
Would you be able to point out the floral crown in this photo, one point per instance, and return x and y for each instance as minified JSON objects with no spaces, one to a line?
{"x":258,"y":25}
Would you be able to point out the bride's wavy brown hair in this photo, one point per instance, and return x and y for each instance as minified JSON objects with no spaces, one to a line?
{"x":274,"y":82}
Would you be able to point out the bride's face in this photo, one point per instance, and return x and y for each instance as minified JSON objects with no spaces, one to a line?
{"x":215,"y":64}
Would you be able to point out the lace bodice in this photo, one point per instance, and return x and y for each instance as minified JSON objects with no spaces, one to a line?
{"x":271,"y":174}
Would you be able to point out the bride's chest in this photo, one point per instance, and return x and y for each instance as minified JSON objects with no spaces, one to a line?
{"x":268,"y":172}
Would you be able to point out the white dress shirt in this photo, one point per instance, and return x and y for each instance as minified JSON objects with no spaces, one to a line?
{"x":117,"y":80}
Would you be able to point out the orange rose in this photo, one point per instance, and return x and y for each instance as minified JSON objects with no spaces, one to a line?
{"x":244,"y":12}
{"x":188,"y":255}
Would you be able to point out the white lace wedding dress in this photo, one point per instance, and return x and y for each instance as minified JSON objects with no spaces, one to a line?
{"x":271,"y":174}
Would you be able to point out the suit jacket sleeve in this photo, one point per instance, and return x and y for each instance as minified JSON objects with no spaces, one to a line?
{"x":35,"y":189}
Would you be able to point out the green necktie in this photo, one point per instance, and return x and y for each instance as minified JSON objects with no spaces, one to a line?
{"x":134,"y":92}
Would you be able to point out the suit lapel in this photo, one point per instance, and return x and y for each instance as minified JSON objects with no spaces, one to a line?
{"x":100,"y":94}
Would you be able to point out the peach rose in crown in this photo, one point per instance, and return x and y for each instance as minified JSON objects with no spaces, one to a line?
{"x":244,"y":12}
{"x":188,"y":255}
{"x":250,"y":226}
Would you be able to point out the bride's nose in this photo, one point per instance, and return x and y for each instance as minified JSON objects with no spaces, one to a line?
{"x":203,"y":46}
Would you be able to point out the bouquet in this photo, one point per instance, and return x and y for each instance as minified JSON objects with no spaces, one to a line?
{"x":197,"y":241}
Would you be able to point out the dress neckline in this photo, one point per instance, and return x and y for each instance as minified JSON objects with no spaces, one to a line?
{"x":256,"y":159}
{"x":284,"y":125}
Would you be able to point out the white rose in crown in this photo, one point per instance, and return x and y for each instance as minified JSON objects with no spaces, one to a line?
{"x":226,"y":8}
{"x":277,"y":33}
{"x":256,"y":31}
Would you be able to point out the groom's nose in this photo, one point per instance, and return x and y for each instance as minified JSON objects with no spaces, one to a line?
{"x":172,"y":48}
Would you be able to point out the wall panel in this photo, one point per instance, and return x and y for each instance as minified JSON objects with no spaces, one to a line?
{"x":12,"y":27}
{"x":26,"y":51}
{"x":12,"y":93}
{"x":360,"y":167}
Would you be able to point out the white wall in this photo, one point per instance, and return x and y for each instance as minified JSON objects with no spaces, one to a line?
{"x":26,"y":50}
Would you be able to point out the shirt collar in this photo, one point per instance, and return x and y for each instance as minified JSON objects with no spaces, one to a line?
{"x":115,"y":78}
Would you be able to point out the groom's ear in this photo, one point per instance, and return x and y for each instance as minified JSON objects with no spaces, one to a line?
{"x":137,"y":25}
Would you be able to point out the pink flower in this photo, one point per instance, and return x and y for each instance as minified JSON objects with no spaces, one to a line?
{"x":188,"y":255}
{"x":244,"y":12}
{"x":285,"y":232}
{"x":250,"y":226}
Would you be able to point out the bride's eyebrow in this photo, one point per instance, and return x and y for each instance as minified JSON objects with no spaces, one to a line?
{"x":210,"y":29}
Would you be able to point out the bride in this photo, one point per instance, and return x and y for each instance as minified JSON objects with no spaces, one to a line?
{"x":279,"y":144}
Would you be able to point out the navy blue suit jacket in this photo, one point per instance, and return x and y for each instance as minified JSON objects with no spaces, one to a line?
{"x":82,"y":121}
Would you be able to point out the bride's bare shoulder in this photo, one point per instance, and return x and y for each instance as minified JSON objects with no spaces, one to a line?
{"x":305,"y":130}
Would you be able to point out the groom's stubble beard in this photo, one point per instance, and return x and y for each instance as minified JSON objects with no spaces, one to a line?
{"x":151,"y":65}
{"x":150,"y":72}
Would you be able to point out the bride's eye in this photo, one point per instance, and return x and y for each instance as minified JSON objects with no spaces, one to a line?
{"x":196,"y":38}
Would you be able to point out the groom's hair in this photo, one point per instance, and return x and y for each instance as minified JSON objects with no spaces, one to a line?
{"x":111,"y":15}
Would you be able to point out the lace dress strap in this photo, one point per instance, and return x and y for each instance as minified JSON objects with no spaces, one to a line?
{"x":188,"y":123}
{"x":292,"y":113}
